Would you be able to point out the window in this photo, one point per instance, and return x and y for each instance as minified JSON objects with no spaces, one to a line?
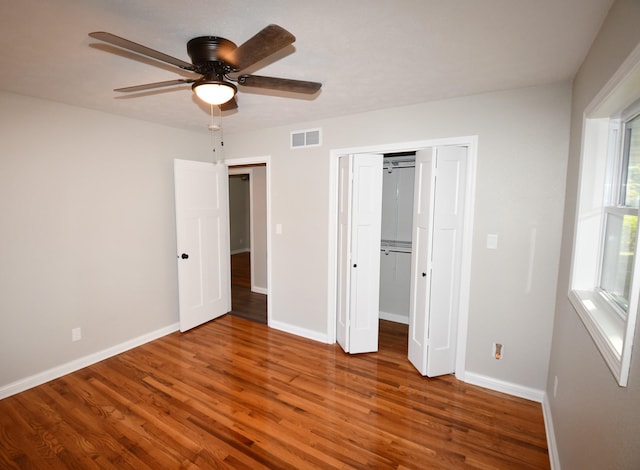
{"x":621,"y":220}
{"x":605,"y":277}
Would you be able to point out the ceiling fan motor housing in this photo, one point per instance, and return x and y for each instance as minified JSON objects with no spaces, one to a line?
{"x":206,"y":53}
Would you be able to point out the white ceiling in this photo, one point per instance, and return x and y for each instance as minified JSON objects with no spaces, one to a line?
{"x":368,"y":54}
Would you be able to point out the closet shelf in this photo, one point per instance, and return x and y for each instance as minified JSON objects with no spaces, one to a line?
{"x":396,"y":246}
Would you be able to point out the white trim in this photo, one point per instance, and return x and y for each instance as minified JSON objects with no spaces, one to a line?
{"x":72,"y":366}
{"x":298,"y":331}
{"x":252,"y":225}
{"x":241,"y":250}
{"x":509,"y":388}
{"x":603,"y":324}
{"x":249,"y":172}
{"x":614,"y":341}
{"x":465,"y":278}
{"x":259,"y":290}
{"x":394,"y":317}
{"x":554,"y":457}
{"x":247,"y":161}
{"x":467,"y":243}
{"x":267,"y":161}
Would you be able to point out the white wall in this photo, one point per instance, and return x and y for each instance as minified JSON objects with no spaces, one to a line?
{"x":522,"y":154}
{"x":596,"y":423}
{"x":259,"y":244}
{"x":239,"y":211}
{"x":87,"y":233}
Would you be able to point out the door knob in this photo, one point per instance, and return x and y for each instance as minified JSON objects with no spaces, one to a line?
{"x":184,"y":256}
{"x":355,"y":265}
{"x":424,"y":274}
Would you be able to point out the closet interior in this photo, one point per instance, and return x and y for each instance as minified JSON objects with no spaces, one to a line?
{"x":396,"y":243}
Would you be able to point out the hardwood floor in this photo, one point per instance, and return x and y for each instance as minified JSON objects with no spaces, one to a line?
{"x":244,"y":303}
{"x":241,"y":269}
{"x":235,"y":394}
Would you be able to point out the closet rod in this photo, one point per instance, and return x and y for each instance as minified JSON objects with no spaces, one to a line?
{"x":386,"y":251}
{"x":390,"y":167}
{"x":397,"y":246}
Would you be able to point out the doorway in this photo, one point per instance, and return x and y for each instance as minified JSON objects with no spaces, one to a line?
{"x":456,"y":340}
{"x":249,"y":240}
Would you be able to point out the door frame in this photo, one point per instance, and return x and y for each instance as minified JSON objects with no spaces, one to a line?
{"x":471,"y":142}
{"x":266,"y":160}
{"x":235,"y":171}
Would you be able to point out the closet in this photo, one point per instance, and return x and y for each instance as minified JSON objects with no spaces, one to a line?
{"x":402,"y":241}
{"x":396,"y":247}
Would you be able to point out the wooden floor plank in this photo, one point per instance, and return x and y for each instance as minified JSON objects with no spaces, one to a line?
{"x":244,"y":302}
{"x":236,"y":394}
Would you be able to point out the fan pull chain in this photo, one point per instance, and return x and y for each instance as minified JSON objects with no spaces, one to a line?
{"x":215,"y":128}
{"x":221,"y":132}
{"x":212,"y":130}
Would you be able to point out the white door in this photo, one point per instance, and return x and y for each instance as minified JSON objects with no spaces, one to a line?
{"x":421,"y":258}
{"x":344,"y":251}
{"x":436,"y":268}
{"x":202,"y":229}
{"x":359,"y":252}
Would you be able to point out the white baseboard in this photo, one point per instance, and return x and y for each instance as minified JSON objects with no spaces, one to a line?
{"x":394,"y":317}
{"x":241,"y":250}
{"x":259,"y":290}
{"x":554,"y":458}
{"x":296,"y":330}
{"x":504,"y":387}
{"x":64,"y":369}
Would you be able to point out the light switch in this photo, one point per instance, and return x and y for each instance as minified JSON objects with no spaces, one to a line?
{"x":278,"y":229}
{"x":492,"y":241}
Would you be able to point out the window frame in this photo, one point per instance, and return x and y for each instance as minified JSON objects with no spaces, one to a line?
{"x":609,"y":211}
{"x":615,"y":196}
{"x":600,"y":186}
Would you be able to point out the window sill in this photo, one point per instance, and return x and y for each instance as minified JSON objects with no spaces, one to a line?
{"x":605,"y":326}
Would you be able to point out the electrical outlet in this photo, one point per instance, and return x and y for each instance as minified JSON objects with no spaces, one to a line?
{"x":76,"y":334}
{"x":498,"y":351}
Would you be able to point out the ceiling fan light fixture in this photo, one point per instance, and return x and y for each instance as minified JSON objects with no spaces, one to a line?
{"x":214,"y":91}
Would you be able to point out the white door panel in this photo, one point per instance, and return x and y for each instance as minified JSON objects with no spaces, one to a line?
{"x":344,"y":252}
{"x":365,"y":252}
{"x":359,"y":252}
{"x":437,"y":258}
{"x":421,"y":259}
{"x":202,"y":233}
{"x":448,"y":222}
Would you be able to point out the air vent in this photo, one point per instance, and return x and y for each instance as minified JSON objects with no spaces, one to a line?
{"x":307,"y":138}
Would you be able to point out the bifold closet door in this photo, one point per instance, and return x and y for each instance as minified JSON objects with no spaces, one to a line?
{"x":437,"y":258}
{"x":421,"y":258}
{"x":360,"y":212}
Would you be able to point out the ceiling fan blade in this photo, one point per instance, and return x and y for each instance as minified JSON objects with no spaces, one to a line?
{"x":266,"y":42}
{"x":140,"y":49}
{"x":229,"y":105}
{"x":280,"y":84}
{"x":150,"y":86}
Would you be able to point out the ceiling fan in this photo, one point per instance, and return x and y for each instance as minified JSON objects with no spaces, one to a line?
{"x":219,"y":61}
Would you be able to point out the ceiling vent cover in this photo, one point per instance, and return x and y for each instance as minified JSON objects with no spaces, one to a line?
{"x":306,"y":138}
